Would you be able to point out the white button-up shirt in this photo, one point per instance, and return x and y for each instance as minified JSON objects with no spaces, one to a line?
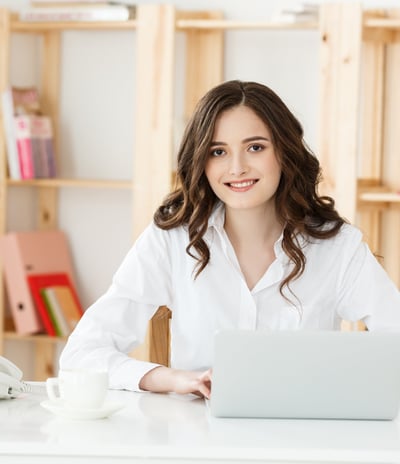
{"x":341,"y":280}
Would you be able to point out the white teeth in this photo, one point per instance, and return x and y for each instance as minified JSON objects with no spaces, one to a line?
{"x":242,"y":184}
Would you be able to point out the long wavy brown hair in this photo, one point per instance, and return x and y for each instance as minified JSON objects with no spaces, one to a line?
{"x":298,"y":206}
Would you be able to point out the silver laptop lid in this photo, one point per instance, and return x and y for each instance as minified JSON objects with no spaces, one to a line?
{"x":306,"y":374}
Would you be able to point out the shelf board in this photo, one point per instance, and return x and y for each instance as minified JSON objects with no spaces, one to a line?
{"x":77,"y":183}
{"x":32,"y":338}
{"x":185,"y":24}
{"x":387,"y":197}
{"x":382,"y":23}
{"x":227,"y":24}
{"x":29,"y":27}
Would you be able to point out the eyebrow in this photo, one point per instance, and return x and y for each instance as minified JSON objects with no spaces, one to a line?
{"x":248,"y":139}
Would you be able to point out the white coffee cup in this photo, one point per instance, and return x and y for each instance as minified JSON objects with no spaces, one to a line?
{"x":79,"y":388}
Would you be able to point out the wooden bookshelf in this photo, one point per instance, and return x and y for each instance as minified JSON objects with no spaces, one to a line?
{"x":358,"y":74}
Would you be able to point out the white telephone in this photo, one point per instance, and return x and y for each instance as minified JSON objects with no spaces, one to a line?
{"x":11,"y":384}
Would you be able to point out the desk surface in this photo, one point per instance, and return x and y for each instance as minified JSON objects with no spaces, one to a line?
{"x":155,"y":428}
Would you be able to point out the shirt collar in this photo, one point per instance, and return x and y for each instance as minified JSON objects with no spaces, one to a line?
{"x":217,"y":217}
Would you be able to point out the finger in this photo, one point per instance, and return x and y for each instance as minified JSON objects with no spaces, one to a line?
{"x":205,"y":390}
{"x":207,"y":375}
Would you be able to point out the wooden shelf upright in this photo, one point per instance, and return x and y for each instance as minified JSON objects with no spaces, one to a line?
{"x":359,"y":113}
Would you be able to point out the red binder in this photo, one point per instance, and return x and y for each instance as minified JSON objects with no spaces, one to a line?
{"x":28,"y":253}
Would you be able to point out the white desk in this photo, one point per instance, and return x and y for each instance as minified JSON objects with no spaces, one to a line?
{"x":173,"y":429}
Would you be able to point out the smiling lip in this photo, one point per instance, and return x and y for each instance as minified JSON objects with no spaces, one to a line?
{"x":241,"y":186}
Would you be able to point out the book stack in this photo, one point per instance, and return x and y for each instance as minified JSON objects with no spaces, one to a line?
{"x":78,"y":10}
{"x":29,"y":135}
{"x":297,"y":13}
{"x":39,"y":282}
{"x":56,"y":302}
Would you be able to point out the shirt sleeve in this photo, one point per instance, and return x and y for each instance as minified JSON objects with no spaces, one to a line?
{"x":117,"y":322}
{"x":367,"y":293}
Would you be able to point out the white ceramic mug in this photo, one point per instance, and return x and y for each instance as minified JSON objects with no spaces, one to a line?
{"x":79,"y":388}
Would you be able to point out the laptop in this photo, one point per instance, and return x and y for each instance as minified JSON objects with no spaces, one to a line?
{"x":306,"y":375}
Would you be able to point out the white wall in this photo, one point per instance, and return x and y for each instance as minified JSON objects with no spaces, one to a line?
{"x":97,"y":121}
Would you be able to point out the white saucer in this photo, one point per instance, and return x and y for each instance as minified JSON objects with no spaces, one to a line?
{"x":58,"y":407}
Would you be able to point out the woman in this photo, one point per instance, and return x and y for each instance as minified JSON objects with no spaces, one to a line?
{"x":244,"y":241}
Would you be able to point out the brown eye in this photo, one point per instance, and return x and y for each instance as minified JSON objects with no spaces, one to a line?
{"x":218,"y":152}
{"x":256,"y":147}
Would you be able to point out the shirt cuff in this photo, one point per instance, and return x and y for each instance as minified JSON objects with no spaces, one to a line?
{"x":128,"y":375}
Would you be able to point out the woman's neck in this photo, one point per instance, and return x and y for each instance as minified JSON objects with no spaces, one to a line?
{"x":253,"y":234}
{"x":259,"y":226}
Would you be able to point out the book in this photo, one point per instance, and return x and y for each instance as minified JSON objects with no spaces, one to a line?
{"x":294,"y":18}
{"x":19,"y":106}
{"x":9,"y":132}
{"x":45,"y":317}
{"x":63,"y":306}
{"x":66,"y":302}
{"x":301,"y":8}
{"x":40,"y":3}
{"x":35,"y":146}
{"x":51,"y":314}
{"x":24,"y":315}
{"x":80,"y":2}
{"x":25,"y":100}
{"x":76,"y":13}
{"x":26,"y":253}
{"x":43,"y":147}
{"x":55,"y":317}
{"x":297,"y":13}
{"x":63,"y":3}
{"x":23,"y":137}
{"x":56,"y":312}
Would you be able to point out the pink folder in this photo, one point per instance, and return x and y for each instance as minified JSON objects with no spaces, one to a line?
{"x":27,"y":253}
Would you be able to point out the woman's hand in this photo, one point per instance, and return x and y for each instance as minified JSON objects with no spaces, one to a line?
{"x":164,"y":379}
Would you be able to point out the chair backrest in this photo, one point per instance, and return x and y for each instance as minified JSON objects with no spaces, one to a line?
{"x":159,"y":336}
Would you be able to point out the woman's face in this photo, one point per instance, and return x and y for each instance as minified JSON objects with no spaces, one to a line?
{"x":242,"y":168}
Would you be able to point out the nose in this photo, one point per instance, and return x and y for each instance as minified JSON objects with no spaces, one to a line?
{"x":238,"y":165}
